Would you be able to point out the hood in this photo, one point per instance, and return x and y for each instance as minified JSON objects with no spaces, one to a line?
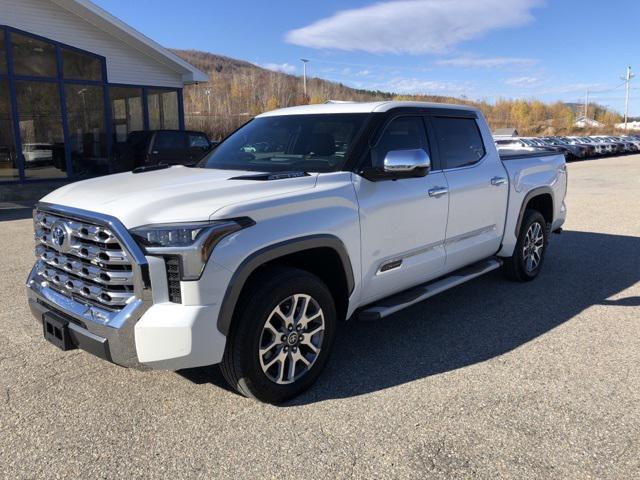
{"x":176,"y":194}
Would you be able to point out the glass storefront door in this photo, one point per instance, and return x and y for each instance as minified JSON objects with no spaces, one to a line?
{"x":8,"y":163}
{"x":41,"y":132}
{"x":87,"y":140}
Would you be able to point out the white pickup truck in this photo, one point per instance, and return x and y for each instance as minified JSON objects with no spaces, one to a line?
{"x":302,"y":218}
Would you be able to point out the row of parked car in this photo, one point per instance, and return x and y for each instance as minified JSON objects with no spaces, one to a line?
{"x":574,"y":147}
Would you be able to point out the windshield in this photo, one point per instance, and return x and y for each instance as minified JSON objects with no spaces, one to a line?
{"x":309,"y":143}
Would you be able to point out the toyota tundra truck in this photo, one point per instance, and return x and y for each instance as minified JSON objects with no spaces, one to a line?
{"x":302,"y":218}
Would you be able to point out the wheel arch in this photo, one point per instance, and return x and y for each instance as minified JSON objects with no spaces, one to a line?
{"x":540,"y":199}
{"x":300,"y":253}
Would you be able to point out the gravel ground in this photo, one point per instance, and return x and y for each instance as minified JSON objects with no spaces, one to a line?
{"x":489,"y":380}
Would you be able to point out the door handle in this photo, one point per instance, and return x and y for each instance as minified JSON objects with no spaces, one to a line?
{"x":438,"y":191}
{"x":496,"y":181}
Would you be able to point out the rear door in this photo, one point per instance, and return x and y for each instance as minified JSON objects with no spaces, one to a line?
{"x":170,"y":147}
{"x":478,"y":190}
{"x":402,"y":222}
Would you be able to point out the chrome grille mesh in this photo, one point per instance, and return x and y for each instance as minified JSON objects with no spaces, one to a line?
{"x":83,"y":260}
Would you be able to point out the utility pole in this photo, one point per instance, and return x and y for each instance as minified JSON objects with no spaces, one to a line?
{"x":304,"y":76}
{"x":627,"y":79}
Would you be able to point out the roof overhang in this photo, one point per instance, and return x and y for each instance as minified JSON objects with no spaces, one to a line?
{"x":108,"y":23}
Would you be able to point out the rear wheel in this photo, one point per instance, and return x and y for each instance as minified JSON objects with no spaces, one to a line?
{"x":281,"y":337}
{"x":528,"y":256}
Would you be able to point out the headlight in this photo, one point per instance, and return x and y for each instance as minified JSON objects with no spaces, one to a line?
{"x":191,"y":242}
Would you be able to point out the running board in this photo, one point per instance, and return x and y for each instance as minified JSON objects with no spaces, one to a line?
{"x":397,"y":302}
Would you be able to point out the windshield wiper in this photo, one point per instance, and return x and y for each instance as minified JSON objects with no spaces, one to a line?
{"x":272,"y":175}
{"x":150,"y":168}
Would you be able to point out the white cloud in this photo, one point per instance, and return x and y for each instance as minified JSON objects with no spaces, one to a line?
{"x":420,"y":86}
{"x":523,"y":81}
{"x":363,"y":73}
{"x":279,"y":67}
{"x":412,"y":26}
{"x":486,"y":62}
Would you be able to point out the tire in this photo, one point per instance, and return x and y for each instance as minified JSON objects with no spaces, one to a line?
{"x":244,"y":365}
{"x":521,"y":267}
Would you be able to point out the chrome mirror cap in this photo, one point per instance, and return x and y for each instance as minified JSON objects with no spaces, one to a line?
{"x":415,"y":161}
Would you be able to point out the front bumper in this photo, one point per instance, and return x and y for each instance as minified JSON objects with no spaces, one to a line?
{"x":149,"y":334}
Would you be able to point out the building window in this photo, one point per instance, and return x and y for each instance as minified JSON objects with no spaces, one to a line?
{"x":8,"y":163}
{"x":33,"y":57}
{"x":3,"y":53}
{"x":87,"y":134}
{"x":163,"y":109}
{"x":127,"y":114}
{"x":80,"y":66}
{"x":40,"y":120}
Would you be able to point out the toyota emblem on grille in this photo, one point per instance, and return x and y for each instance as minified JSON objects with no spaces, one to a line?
{"x":60,"y":236}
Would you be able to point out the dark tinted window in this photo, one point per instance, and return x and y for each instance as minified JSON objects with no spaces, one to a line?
{"x":403,"y":133}
{"x":459,"y":141}
{"x":168,"y":141}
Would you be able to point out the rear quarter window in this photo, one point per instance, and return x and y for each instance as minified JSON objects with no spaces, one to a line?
{"x":459,"y":141}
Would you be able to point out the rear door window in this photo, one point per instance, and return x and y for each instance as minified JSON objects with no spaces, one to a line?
{"x":459,"y":141}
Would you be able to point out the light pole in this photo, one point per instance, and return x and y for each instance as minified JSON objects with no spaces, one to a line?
{"x":207,"y":92}
{"x":627,"y":79}
{"x":304,"y":76}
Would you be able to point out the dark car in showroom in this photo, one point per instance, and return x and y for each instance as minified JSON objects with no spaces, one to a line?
{"x":171,"y":147}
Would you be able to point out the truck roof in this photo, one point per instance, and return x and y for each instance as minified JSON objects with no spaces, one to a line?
{"x":360,"y":107}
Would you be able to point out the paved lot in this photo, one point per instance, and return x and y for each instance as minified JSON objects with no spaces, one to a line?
{"x":492,"y":379}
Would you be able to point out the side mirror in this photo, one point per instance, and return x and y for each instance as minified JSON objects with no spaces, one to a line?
{"x":407,"y":163}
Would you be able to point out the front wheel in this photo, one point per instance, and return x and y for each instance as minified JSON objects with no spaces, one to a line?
{"x":281,"y":337}
{"x":528,"y":256}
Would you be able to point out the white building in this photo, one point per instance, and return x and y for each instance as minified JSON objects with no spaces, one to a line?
{"x":74,"y":81}
{"x":582,"y":122}
{"x":630,"y":125}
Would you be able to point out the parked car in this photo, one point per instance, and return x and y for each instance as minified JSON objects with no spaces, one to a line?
{"x":578,"y":151}
{"x":251,"y":259}
{"x":601,"y":147}
{"x":153,"y":147}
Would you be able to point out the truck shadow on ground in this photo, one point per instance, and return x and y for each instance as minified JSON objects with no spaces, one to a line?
{"x":474,"y":322}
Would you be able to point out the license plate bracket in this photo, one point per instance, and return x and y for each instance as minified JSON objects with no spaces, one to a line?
{"x":56,"y":331}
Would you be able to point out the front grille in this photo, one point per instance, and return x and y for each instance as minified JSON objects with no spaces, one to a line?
{"x":83,"y":260}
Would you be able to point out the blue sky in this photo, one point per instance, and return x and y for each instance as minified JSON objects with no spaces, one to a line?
{"x":483,"y":49}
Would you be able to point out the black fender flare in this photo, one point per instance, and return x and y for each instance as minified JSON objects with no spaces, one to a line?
{"x":532,"y":194}
{"x":273,"y":252}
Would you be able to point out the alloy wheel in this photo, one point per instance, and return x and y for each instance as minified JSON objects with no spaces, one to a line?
{"x":533,"y":247}
{"x":291,"y":339}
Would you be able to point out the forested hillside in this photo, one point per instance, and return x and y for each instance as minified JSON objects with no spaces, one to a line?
{"x":238,"y":90}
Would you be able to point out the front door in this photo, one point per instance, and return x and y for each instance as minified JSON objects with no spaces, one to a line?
{"x":402,"y":224}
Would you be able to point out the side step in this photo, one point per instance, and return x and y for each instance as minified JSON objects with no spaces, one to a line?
{"x":397,"y":302}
